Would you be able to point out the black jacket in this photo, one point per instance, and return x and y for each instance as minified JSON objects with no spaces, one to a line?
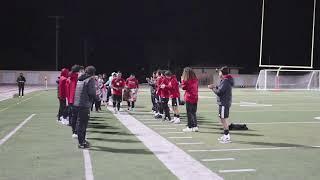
{"x":224,"y":91}
{"x":85,"y":91}
{"x":21,"y":80}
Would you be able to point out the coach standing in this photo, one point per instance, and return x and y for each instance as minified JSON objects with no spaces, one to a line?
{"x":84,"y":96}
{"x":21,"y":80}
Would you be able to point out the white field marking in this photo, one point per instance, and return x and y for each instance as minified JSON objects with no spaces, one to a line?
{"x":266,"y":123}
{"x":148,"y":119}
{"x":256,"y":105}
{"x":237,"y":170}
{"x":3,"y":140}
{"x":24,"y":100}
{"x":192,"y":143}
{"x":176,"y":160}
{"x":87,"y":165}
{"x":180,"y":137}
{"x":244,"y":102}
{"x":172,"y":132}
{"x":4,"y":109}
{"x":220,"y":159}
{"x":152,"y":122}
{"x":243,"y":149}
{"x":165,"y":128}
{"x":160,"y":125}
{"x":317,"y":118}
{"x":315,"y":146}
{"x":265,"y":110}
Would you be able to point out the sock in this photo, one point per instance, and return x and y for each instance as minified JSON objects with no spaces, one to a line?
{"x":226,"y":132}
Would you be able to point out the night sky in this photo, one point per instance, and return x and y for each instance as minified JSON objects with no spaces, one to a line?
{"x":141,"y":36}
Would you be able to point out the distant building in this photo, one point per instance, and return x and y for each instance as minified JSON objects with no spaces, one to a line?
{"x":209,"y":74}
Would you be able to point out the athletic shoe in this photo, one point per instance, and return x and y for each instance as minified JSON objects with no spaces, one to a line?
{"x":74,"y":136}
{"x":195,"y":129}
{"x":177,"y":121}
{"x":172,"y":120}
{"x":85,"y":145}
{"x":187,"y":129}
{"x":158,"y":116}
{"x":225,"y":139}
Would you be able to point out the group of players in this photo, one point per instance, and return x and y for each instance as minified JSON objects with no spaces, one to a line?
{"x":79,"y":89}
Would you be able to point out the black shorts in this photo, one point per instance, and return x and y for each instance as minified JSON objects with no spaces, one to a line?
{"x":175,"y":102}
{"x":116,"y":98}
{"x":224,"y":112}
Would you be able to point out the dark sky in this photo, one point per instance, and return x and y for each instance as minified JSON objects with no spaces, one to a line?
{"x":140,"y":36}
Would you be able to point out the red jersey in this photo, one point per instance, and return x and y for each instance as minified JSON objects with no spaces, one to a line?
{"x":174,"y":87}
{"x":158,"y":83}
{"x":132,"y":83}
{"x":71,"y":86}
{"x":63,"y":84}
{"x":191,"y":90}
{"x":164,"y":88}
{"x":117,"y":86}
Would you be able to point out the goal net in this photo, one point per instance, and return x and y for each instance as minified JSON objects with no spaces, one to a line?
{"x":274,"y":79}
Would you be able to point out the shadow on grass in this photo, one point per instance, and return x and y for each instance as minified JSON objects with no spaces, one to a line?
{"x":115,"y":140}
{"x":120,"y":151}
{"x":101,"y":126}
{"x":236,"y":134}
{"x":272,"y":144}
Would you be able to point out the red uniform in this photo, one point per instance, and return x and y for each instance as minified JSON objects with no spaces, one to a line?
{"x":63,"y":91}
{"x":174,"y":87}
{"x":117,"y":86}
{"x":158,"y":83}
{"x":132,"y":83}
{"x":191,"y":90}
{"x":164,"y":88}
{"x":71,"y":86}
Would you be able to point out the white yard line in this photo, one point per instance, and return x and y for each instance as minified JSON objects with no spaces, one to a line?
{"x":165,"y":128}
{"x":87,"y":165}
{"x":8,"y":136}
{"x":236,"y":170}
{"x":154,"y":122}
{"x":220,"y":159}
{"x":241,"y":149}
{"x":256,"y":105}
{"x":192,"y":143}
{"x":176,"y":160}
{"x":317,"y":118}
{"x":180,"y":137}
{"x":4,"y":109}
{"x":172,"y":132}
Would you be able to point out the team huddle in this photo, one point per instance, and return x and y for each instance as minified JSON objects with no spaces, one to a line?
{"x":80,"y":89}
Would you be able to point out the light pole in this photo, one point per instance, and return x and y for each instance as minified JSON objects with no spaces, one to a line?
{"x":57,"y":37}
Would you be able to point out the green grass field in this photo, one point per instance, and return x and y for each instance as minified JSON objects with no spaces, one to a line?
{"x":281,"y":123}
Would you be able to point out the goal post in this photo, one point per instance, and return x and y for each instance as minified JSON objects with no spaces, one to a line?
{"x":288,"y":79}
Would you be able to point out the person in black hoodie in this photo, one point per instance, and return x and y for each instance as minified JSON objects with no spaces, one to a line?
{"x":224,"y":100}
{"x":21,"y":80}
{"x":84,"y":96}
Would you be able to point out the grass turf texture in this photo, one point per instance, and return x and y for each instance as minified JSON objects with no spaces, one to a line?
{"x":43,"y":149}
{"x":296,"y":163}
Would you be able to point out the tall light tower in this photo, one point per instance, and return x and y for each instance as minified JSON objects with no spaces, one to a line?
{"x":57,"y":18}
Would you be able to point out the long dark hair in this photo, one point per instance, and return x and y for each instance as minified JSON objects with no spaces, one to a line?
{"x":188,"y":74}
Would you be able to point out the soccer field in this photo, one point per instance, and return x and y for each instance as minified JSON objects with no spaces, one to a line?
{"x":282,"y":141}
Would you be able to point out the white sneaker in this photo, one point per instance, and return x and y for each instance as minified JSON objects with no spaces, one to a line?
{"x":177,"y":121}
{"x":174,"y":119}
{"x":74,"y":136}
{"x":225,"y":139}
{"x":195,"y":129}
{"x":187,"y":129}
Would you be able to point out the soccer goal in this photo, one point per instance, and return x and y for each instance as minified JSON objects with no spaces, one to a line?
{"x":288,"y":79}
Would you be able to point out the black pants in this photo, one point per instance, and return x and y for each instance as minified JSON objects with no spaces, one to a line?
{"x":62,"y":109}
{"x":83,"y":119}
{"x":153,"y":100}
{"x":130,"y":104}
{"x":165,"y":107}
{"x":97,"y":105}
{"x":108,"y":93}
{"x":191,"y":114}
{"x":116,"y":101}
{"x":21,"y":89}
{"x":159,"y":105}
{"x":74,"y":119}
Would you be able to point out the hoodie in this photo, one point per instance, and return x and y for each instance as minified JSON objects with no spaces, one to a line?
{"x":174,"y":87}
{"x":85,"y":91}
{"x":224,"y":91}
{"x":63,"y":84}
{"x":191,"y":90}
{"x":71,"y":86}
